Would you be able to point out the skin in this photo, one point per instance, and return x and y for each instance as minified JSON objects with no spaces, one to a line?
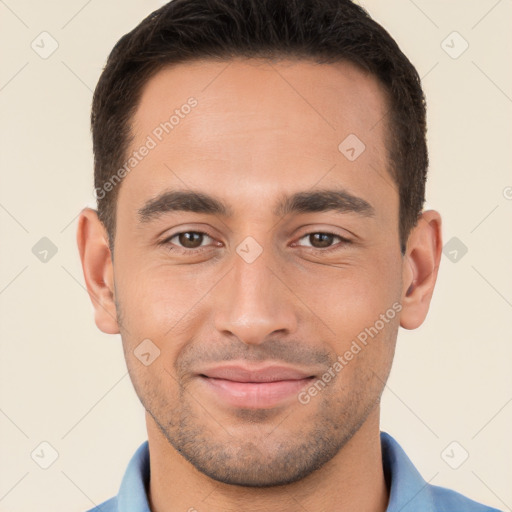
{"x":260,"y":131}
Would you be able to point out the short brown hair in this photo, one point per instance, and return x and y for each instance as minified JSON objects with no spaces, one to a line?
{"x":319,"y":30}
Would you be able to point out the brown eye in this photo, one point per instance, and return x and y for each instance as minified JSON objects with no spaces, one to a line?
{"x":187,"y":240}
{"x":190,"y":242}
{"x":321,"y":240}
{"x":190,"y":239}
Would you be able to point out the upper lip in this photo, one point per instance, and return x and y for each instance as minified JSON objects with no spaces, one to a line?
{"x":268,"y":373}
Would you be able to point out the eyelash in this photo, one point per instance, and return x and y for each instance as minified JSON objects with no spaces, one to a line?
{"x":169,"y":245}
{"x":182,"y":250}
{"x":343,"y":241}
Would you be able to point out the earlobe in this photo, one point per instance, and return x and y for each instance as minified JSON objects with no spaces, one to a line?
{"x":97,"y":266}
{"x":420,"y":268}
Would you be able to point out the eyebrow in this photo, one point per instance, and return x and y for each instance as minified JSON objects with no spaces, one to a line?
{"x":318,"y":200}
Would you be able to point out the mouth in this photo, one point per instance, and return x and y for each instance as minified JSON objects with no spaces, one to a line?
{"x":254,"y":388}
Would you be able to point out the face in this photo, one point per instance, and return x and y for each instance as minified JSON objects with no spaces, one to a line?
{"x":262,"y":260}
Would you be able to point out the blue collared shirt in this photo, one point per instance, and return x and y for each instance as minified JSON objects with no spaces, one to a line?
{"x":408,"y":491}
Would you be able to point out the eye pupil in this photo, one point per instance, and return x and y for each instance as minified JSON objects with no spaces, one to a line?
{"x":194,"y":239}
{"x":190,"y":239}
{"x":324,"y":239}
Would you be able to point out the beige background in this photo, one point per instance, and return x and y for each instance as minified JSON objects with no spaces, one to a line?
{"x":64,"y":382}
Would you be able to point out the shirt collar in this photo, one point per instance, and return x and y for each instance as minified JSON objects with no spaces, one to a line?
{"x":132,"y":495}
{"x":408,"y":491}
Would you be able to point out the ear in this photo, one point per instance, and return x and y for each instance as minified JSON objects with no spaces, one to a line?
{"x":420,"y":267}
{"x":98,"y":270}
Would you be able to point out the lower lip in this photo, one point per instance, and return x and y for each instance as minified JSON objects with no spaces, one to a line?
{"x":255,"y":395}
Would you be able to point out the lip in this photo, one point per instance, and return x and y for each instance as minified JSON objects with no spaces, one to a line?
{"x":268,"y":373}
{"x":260,"y":387}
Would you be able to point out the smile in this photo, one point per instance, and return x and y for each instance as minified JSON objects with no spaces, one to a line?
{"x":266,"y":387}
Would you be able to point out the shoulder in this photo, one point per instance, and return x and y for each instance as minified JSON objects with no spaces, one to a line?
{"x":132,"y":492}
{"x":408,"y":490}
{"x":446,"y":500}
{"x":107,"y":506}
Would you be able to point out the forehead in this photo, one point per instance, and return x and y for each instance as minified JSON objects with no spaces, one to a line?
{"x":259,"y":127}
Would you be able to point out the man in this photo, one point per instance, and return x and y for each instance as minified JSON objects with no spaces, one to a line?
{"x":260,"y":237}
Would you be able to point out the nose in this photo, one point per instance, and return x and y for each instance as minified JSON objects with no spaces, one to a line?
{"x":255,"y":302}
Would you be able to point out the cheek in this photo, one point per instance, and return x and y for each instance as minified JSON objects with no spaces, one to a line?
{"x":163,"y":302}
{"x":349,"y":299}
{"x":160,"y":302}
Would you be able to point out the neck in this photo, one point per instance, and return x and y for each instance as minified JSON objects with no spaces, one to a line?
{"x":351,"y":480}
